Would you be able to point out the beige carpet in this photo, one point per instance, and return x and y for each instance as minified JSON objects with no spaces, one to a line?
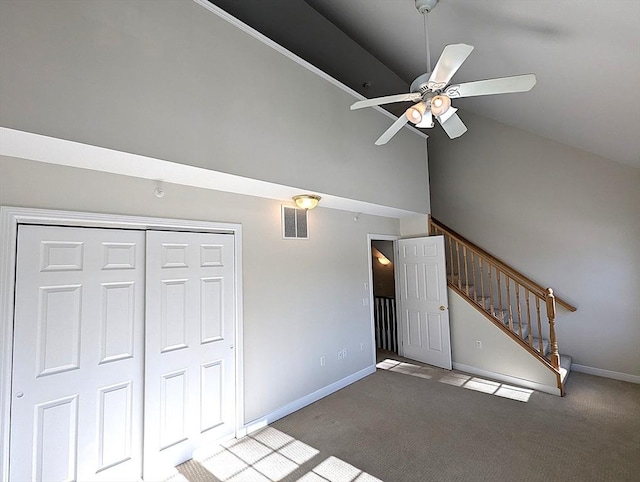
{"x":418,"y":423}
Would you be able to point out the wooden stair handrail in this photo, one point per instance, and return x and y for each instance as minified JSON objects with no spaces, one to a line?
{"x":532,"y":285}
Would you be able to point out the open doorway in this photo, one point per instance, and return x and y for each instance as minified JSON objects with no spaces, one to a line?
{"x":383,"y":287}
{"x":412,"y":320}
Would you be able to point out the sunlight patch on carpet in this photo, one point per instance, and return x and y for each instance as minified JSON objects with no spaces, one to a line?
{"x":406,"y":368}
{"x":498,"y":389}
{"x":455,"y":379}
{"x":514,"y":393}
{"x":269,"y":456}
{"x":335,"y":470}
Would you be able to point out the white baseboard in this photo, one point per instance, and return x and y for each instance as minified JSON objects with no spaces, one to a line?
{"x":307,"y":400}
{"x":508,"y":379}
{"x":599,"y":372}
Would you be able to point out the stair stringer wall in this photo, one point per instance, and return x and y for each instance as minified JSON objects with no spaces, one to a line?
{"x":500,"y":357}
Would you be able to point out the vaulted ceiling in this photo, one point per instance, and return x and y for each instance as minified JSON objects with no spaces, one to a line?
{"x":585,"y":54}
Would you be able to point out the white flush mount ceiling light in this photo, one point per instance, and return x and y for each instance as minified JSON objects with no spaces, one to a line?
{"x":431,"y":92}
{"x":306,"y":201}
{"x":383,"y":260}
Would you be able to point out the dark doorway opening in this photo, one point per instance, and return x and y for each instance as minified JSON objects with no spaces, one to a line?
{"x":384,"y":295}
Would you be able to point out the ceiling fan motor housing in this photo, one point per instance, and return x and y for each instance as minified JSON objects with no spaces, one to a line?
{"x":425,"y":6}
{"x":421,"y":84}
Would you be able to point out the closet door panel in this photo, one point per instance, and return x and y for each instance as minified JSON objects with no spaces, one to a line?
{"x":77,"y":381}
{"x":189,"y":356}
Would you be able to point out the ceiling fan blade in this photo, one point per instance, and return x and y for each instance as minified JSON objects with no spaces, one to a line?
{"x":454,"y":127}
{"x":393,"y":130}
{"x":448,"y":64}
{"x":445,"y":117}
{"x":502,"y":85}
{"x":413,"y":96}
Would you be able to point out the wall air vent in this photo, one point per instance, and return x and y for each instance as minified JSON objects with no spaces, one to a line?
{"x":294,"y":223}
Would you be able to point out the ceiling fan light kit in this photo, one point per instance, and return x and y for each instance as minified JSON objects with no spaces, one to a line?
{"x":440,"y":104}
{"x":427,"y":120}
{"x":431,"y":92}
{"x":415,"y":112}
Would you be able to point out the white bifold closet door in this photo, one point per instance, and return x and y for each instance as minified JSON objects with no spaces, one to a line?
{"x":189,"y":356}
{"x":77,"y":389}
{"x":120,"y":334}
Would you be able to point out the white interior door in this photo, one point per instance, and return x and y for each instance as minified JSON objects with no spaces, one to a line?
{"x":76,"y":411}
{"x":189,"y":356}
{"x":424,"y":308}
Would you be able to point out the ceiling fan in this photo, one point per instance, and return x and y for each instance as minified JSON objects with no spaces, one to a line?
{"x":432,"y":92}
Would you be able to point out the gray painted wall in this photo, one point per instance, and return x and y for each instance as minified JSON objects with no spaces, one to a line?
{"x":566,"y":218}
{"x":171,"y":80}
{"x":288,"y":324}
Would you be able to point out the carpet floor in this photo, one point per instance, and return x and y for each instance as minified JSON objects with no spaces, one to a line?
{"x":411,"y":422}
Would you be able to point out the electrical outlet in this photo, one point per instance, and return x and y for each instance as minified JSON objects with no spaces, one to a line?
{"x":362,"y":346}
{"x":478,"y":344}
{"x":365,"y":301}
{"x":344,"y":353}
{"x":323,"y":360}
{"x":366,"y":286}
{"x":339,"y":354}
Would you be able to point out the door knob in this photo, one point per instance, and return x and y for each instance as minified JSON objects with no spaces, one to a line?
{"x":442,"y":308}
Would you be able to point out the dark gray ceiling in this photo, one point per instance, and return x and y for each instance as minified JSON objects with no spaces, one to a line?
{"x":585,"y":53}
{"x":297,"y":26}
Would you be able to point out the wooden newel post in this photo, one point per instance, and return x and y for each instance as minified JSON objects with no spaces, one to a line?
{"x":551,"y":315}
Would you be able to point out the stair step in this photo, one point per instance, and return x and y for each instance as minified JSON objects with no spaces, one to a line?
{"x":516,"y":330}
{"x":502,"y":315}
{"x":565,"y":367}
{"x":545,"y":345}
{"x":457,"y":278}
{"x":483,"y":301}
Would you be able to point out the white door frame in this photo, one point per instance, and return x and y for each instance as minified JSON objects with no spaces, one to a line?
{"x":11,"y":217}
{"x":382,"y":237}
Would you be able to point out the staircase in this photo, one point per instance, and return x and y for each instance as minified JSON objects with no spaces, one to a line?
{"x":520,"y":307}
